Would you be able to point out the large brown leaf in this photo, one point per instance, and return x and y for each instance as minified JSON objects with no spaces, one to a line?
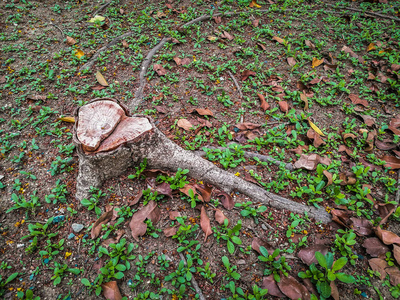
{"x":258,"y":242}
{"x":205,"y":192}
{"x":220,"y":217}
{"x":159,"y":69}
{"x":385,"y":210}
{"x":362,"y":226}
{"x":270,"y":284}
{"x":356,"y":100}
{"x":170,"y":231}
{"x":185,"y":124}
{"x":396,"y":253}
{"x":341,"y":217}
{"x":97,"y":226}
{"x":378,"y":264}
{"x":307,"y":255}
{"x":387,"y":237}
{"x":292,"y":288}
{"x":385,"y":146}
{"x":391,"y":162}
{"x":137,"y":225}
{"x":375,"y":247}
{"x":394,"y":275}
{"x":173,"y":214}
{"x":205,"y":223}
{"x":247,"y":73}
{"x":226,"y":200}
{"x":264,"y":105}
{"x":291,"y":61}
{"x":164,"y":189}
{"x":311,"y":161}
{"x":278,"y":39}
{"x":247,"y":126}
{"x":111,"y":291}
{"x":284,"y":106}
{"x":312,"y":135}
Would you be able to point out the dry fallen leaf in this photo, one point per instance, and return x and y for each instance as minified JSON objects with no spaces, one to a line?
{"x":356,"y":100}
{"x":111,"y":291}
{"x":391,"y":162}
{"x":316,"y":129}
{"x":303,"y":98}
{"x":159,"y":69}
{"x":170,"y":231}
{"x":292,"y":288}
{"x":204,"y":112}
{"x":125,"y":44}
{"x":371,"y":47}
{"x":309,"y":44}
{"x":212,"y":38}
{"x":205,"y":223}
{"x":97,"y":18}
{"x":378,"y":264}
{"x":205,"y":192}
{"x":375,"y":247}
{"x":226,"y":35}
{"x":247,"y":73}
{"x":185,"y":124}
{"x":137,"y":225}
{"x":97,"y":226}
{"x":79,"y":53}
{"x":220,"y":217}
{"x":67,"y":119}
{"x":100,"y":79}
{"x":307,"y":255}
{"x":279,"y":40}
{"x":255,"y":22}
{"x":317,"y":140}
{"x":226,"y":200}
{"x":316,"y":62}
{"x":270,"y":284}
{"x":264,"y":105}
{"x":387,"y":237}
{"x":254,"y":4}
{"x":311,"y":161}
{"x":284,"y":106}
{"x":70,"y":41}
{"x":291,"y":61}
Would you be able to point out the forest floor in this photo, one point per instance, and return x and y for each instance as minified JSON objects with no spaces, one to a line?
{"x":313,"y":84}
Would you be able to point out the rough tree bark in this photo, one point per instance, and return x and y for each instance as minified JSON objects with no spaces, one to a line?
{"x":109,"y":141}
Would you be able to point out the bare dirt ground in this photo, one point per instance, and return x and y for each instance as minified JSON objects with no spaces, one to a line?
{"x":312,"y":83}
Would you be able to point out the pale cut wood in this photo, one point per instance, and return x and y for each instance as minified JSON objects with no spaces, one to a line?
{"x":128,"y":129}
{"x":97,"y":120}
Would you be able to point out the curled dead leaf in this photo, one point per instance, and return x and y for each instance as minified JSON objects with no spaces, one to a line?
{"x":247,"y":73}
{"x":111,"y":291}
{"x":100,"y":79}
{"x":204,"y":112}
{"x":159,"y":69}
{"x":284,"y":106}
{"x":226,"y":200}
{"x":273,"y":289}
{"x":307,"y":255}
{"x":205,"y":223}
{"x":70,"y":41}
{"x":291,"y":61}
{"x":137,"y":225}
{"x":375,"y":247}
{"x":312,"y":135}
{"x":310,"y":161}
{"x":356,"y":100}
{"x":185,"y":124}
{"x":316,"y":62}
{"x":170,"y":231}
{"x":303,"y":98}
{"x":379,"y":265}
{"x":220,"y":217}
{"x":387,"y":237}
{"x":391,"y":162}
{"x":264,"y":105}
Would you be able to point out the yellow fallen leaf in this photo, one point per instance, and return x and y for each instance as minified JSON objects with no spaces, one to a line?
{"x":278,"y":39}
{"x":97,"y":19}
{"x":100,"y":79}
{"x":67,"y":254}
{"x":67,"y":119}
{"x":315,"y":128}
{"x":212,"y":38}
{"x":316,"y":62}
{"x":254,"y":4}
{"x":79,"y":53}
{"x":371,"y":47}
{"x":305,"y":100}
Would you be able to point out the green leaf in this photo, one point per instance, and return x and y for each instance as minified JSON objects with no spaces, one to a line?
{"x":329,"y":259}
{"x":325,"y":289}
{"x":321,"y":259}
{"x":85,"y":202}
{"x":75,"y":271}
{"x":264,"y":251}
{"x":331,"y":276}
{"x":225,"y":261}
{"x":57,"y":280}
{"x":182,"y":289}
{"x":85,"y":282}
{"x":11,"y":277}
{"x":235,"y":275}
{"x":236,"y":240}
{"x":119,"y":275}
{"x":277,"y":277}
{"x":345,"y":278}
{"x":339,"y":264}
{"x":120,"y":267}
{"x":245,"y":212}
{"x":231,"y":247}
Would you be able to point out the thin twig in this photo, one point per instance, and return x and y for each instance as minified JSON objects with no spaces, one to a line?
{"x":101,"y":8}
{"x":62,"y":33}
{"x":194,"y":282}
{"x":366,"y":12}
{"x":236,"y":83}
{"x":142,"y":80}
{"x":398,"y":187}
{"x":91,"y":61}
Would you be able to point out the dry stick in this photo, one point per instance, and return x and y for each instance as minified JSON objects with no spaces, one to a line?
{"x":142,"y":79}
{"x":248,"y":154}
{"x":101,"y":8}
{"x":366,"y":12}
{"x":239,"y":91}
{"x":398,"y":187}
{"x":194,"y":282}
{"x":91,"y":61}
{"x":51,"y":23}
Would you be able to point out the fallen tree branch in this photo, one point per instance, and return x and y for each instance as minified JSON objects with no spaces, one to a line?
{"x":247,"y":154}
{"x":194,"y":282}
{"x":142,"y":79}
{"x":366,"y":12}
{"x":101,"y":8}
{"x":92,"y":60}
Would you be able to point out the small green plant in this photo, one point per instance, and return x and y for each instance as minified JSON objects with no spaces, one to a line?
{"x":182,"y":276}
{"x":120,"y":251}
{"x":21,"y":202}
{"x":345,"y":242}
{"x":93,"y":201}
{"x":276,"y":264}
{"x":249,"y":211}
{"x":59,"y":193}
{"x":4,"y":282}
{"x":229,"y":235}
{"x":206,"y":272}
{"x":184,"y":231}
{"x":60,"y":272}
{"x":139,"y":170}
{"x":28,"y":295}
{"x":322,"y":279}
{"x":177,"y":181}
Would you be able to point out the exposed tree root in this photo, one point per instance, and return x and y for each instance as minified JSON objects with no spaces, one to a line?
{"x":248,"y":154}
{"x":92,"y":60}
{"x":143,"y":70}
{"x":366,"y":12}
{"x":101,"y":8}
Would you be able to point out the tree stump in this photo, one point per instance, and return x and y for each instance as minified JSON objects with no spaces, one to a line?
{"x":109,"y":141}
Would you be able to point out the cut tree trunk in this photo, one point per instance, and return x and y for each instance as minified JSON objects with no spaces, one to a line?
{"x":109,"y":141}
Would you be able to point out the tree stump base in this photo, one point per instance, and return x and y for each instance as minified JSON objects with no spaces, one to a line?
{"x":109,"y":141}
